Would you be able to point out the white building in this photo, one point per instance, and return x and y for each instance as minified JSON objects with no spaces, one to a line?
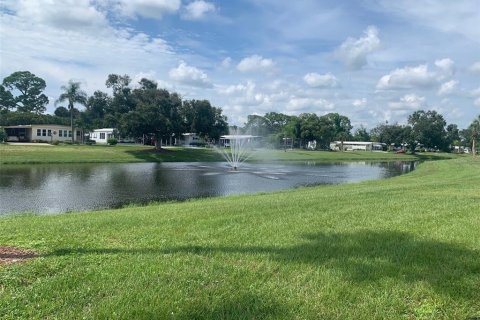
{"x":42,"y":133}
{"x":356,"y":145}
{"x":229,"y":139}
{"x":101,"y":136}
{"x":191,"y":139}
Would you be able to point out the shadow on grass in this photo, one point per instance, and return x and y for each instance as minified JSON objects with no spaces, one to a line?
{"x":242,"y":306}
{"x":364,"y":256}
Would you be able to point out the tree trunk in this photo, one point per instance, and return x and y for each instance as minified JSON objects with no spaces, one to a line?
{"x":158,"y":143}
{"x":71,"y":123}
{"x":473,"y":146}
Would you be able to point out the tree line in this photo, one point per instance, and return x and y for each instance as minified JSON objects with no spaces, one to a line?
{"x":147,"y":110}
{"x":425,"y":129}
{"x":144,"y":110}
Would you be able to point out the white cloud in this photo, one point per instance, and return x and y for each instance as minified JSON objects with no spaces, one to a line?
{"x":198,"y":9}
{"x":189,"y":75}
{"x":247,"y":88}
{"x":327,"y":80}
{"x":475,"y":68}
{"x":353,"y":52}
{"x":447,"y":66}
{"x":255,"y":63}
{"x":456,"y":17}
{"x":448,"y":88}
{"x":408,"y":102}
{"x":63,"y":14}
{"x":309,"y":105}
{"x":407,"y":78}
{"x":154,"y":9}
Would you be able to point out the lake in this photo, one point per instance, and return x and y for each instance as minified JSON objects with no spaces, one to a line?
{"x":57,"y":188}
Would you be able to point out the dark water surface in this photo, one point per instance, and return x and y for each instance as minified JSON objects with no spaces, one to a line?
{"x":56,"y":188}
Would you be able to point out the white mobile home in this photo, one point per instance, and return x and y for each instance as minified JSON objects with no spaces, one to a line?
{"x":42,"y":133}
{"x":102,"y":135}
{"x":356,"y":145}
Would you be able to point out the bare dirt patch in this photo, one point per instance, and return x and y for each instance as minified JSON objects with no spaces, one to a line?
{"x":9,"y":255}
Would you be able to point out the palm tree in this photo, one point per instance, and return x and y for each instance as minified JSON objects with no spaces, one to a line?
{"x":73,"y":94}
{"x":475,"y":131}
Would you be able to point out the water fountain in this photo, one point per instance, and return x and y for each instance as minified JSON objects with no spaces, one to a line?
{"x":236,"y":148}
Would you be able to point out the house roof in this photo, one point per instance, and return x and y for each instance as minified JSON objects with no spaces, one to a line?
{"x":238,"y":136}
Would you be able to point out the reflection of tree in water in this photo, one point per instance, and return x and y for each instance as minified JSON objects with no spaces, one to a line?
{"x":34,"y":176}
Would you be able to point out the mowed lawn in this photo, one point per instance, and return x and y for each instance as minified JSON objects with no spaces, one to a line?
{"x":33,"y":154}
{"x":402,"y":248}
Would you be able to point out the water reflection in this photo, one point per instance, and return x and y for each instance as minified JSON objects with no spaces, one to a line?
{"x":75,"y":187}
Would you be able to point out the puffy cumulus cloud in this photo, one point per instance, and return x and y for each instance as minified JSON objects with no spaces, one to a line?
{"x":255,"y":63}
{"x":62,"y":14}
{"x":309,"y":104}
{"x":154,"y":9}
{"x":407,"y":78}
{"x":189,"y":75}
{"x":408,"y":102}
{"x":316,"y":80}
{"x":353,"y":52}
{"x":448,"y":88}
{"x":198,"y":9}
{"x":236,"y":89}
{"x":447,"y":66}
{"x":475,"y":68}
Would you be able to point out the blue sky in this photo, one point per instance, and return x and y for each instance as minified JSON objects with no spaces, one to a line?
{"x":372,"y":60}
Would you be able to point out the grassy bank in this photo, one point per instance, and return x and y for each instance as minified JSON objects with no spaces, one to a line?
{"x":402,"y":248}
{"x":31,"y":154}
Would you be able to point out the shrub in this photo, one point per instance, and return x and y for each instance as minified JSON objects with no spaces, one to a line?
{"x":112,"y":141}
{"x":55,"y":142}
{"x":198,"y":144}
{"x":90,"y":142}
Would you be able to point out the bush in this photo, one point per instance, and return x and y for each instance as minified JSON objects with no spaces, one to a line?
{"x":112,"y":141}
{"x":56,"y":143}
{"x":90,"y":142}
{"x":198,"y":144}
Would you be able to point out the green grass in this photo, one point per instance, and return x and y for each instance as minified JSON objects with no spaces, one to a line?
{"x":28,"y":154}
{"x":401,"y":248}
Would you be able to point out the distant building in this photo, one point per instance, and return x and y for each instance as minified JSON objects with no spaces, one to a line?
{"x":191,"y":139}
{"x":357,"y":145}
{"x":227,"y":140}
{"x":42,"y":133}
{"x":101,"y":136}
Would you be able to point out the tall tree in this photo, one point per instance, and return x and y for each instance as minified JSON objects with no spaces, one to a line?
{"x":123,"y":98}
{"x":361,"y":134}
{"x":29,"y":87}
{"x":7,"y":101}
{"x":156,"y":112}
{"x":391,"y":134}
{"x":74,"y":95}
{"x":428,"y":128}
{"x":475,"y":132}
{"x":341,"y":126}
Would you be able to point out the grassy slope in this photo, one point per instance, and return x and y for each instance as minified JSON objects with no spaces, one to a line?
{"x":402,"y":248}
{"x":15,"y":154}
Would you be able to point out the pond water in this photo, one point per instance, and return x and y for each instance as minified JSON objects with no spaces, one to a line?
{"x":57,"y":188}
